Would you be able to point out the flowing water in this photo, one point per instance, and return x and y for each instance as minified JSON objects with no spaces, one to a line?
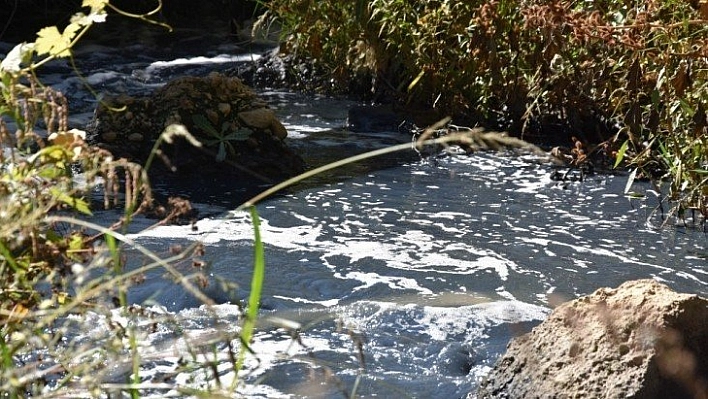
{"x":402,"y":275}
{"x":433,"y":267}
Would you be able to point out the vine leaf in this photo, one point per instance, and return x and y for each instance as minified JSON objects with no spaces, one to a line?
{"x":85,"y":20}
{"x":98,"y":11}
{"x":76,"y":203}
{"x":96,"y":5}
{"x":50,"y":41}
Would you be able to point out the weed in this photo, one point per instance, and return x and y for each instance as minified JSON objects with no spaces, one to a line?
{"x":221,"y":138}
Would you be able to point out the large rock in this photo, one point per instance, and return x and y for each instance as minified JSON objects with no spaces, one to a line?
{"x":641,"y":340}
{"x":240,"y":135}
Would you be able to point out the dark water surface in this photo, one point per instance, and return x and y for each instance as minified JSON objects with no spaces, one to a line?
{"x":398,"y":276}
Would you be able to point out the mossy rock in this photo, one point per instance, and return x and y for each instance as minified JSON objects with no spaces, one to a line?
{"x":240,"y":135}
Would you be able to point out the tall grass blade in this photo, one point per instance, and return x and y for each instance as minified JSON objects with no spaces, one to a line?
{"x":5,"y":253}
{"x":254,"y":298}
{"x":620,"y":154}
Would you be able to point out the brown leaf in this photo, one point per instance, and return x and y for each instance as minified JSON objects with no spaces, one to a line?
{"x":699,"y":120}
{"x":633,"y":76}
{"x":703,"y":9}
{"x":681,"y":80}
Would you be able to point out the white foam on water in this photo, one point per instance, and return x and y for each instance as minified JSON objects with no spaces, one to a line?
{"x":409,"y":250}
{"x":443,"y":323}
{"x":298,"y":131}
{"x":395,"y":283}
{"x":190,"y":337}
{"x":100,"y":77}
{"x":201,"y":60}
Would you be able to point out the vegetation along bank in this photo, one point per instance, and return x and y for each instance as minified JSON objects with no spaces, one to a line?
{"x":625,"y":80}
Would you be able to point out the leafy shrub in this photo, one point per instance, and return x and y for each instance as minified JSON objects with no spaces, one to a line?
{"x":608,"y":72}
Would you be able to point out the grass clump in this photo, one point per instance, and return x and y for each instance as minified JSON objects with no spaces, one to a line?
{"x":628,"y":76}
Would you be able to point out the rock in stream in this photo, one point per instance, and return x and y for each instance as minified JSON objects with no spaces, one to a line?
{"x":640,"y":340}
{"x":240,"y":135}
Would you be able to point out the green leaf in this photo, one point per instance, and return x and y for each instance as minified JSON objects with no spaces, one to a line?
{"x":97,"y":14}
{"x":76,"y":203}
{"x":687,"y":108}
{"x":225,"y":126}
{"x":204,"y":124}
{"x":76,"y":244}
{"x":655,"y":97}
{"x":53,"y":236}
{"x":53,"y":153}
{"x":620,"y":153}
{"x":239,"y":135}
{"x":96,"y":5}
{"x":211,"y":142}
{"x":52,"y":172}
{"x":50,"y":41}
{"x":85,"y":20}
{"x":8,"y":257}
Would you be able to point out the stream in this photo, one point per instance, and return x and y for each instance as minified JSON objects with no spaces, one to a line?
{"x":398,"y":276}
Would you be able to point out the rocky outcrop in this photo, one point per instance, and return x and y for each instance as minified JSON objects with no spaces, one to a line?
{"x":640,"y":340}
{"x":240,"y":135}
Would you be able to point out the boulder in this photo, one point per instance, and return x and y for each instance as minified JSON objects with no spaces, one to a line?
{"x":239,"y":134}
{"x":640,"y":340}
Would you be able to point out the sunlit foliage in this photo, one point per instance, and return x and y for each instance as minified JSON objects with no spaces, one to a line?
{"x":607,"y":72}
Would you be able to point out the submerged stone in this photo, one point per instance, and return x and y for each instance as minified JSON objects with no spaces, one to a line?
{"x":640,"y":340}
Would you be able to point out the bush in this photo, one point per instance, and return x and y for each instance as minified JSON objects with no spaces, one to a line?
{"x":627,"y":75}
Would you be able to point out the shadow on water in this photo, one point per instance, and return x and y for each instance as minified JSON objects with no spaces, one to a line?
{"x":230,"y":190}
